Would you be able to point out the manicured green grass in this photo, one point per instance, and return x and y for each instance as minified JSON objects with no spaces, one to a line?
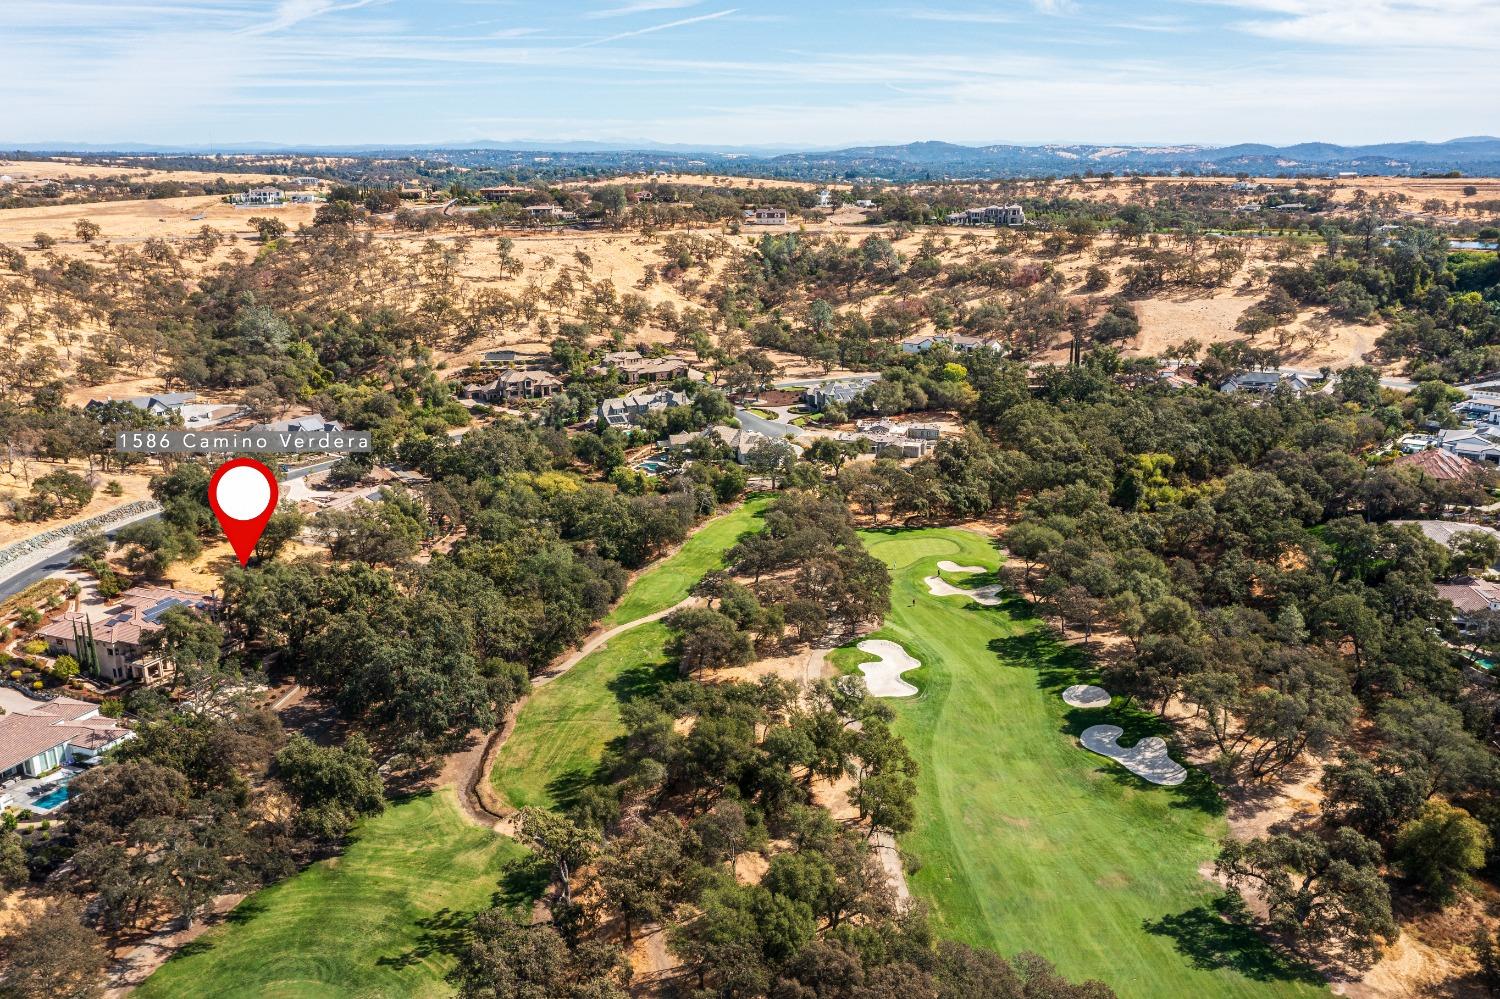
{"x":563,"y":728}
{"x":1029,"y":842}
{"x":383,"y":919}
{"x":667,"y":582}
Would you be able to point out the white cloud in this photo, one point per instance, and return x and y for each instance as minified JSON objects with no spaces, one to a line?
{"x":293,"y":12}
{"x":1439,"y":24}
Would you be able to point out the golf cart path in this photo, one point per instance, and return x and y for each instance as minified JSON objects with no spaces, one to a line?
{"x":468,"y":770}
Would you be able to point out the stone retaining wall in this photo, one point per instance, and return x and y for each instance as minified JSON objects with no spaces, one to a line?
{"x":46,"y":539}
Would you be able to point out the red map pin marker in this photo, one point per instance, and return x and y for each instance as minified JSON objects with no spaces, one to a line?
{"x":243,"y":495}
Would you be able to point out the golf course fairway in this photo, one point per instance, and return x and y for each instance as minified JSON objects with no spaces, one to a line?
{"x":1025,"y":840}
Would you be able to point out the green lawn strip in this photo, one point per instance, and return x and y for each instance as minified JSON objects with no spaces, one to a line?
{"x":1026,"y":840}
{"x":847,"y":659}
{"x":667,"y":582}
{"x":564,"y":727}
{"x":382,"y":919}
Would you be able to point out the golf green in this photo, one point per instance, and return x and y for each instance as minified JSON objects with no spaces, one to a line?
{"x":1025,"y":840}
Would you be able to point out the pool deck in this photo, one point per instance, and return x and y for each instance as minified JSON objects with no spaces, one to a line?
{"x":25,"y":792}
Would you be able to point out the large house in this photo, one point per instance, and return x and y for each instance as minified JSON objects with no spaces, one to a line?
{"x":635,"y":369}
{"x":113,"y":647}
{"x":739,"y":441}
{"x":259,"y":196}
{"x":766,"y":216}
{"x":1469,"y":597}
{"x":515,"y":384}
{"x":888,"y":439}
{"x":504,"y":193}
{"x":548,"y":213}
{"x":989,"y":215}
{"x":919,"y":343}
{"x":1266,"y":382}
{"x":626,"y":411}
{"x":312,"y":423}
{"x":163,"y":405}
{"x":1440,"y":465}
{"x":843,"y":391}
{"x":1473,"y":443}
{"x":44,"y":737}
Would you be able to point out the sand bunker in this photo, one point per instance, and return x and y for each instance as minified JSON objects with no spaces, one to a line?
{"x":1147,"y":758}
{"x":947,"y":566}
{"x":1083,"y":695}
{"x":987,"y":595}
{"x":883,"y":676}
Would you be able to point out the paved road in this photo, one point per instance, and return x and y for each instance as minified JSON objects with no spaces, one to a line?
{"x":23,"y":576}
{"x":770,"y":428}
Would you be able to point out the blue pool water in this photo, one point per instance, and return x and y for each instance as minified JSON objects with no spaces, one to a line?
{"x":54,"y":797}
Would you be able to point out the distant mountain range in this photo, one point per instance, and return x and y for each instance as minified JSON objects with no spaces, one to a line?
{"x":1473,"y":155}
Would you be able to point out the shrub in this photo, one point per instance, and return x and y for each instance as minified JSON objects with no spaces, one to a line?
{"x":112,"y":708}
{"x":113,"y":488}
{"x":65,"y":668}
{"x":35,"y":647}
{"x":36,"y":685}
{"x":15,"y":674}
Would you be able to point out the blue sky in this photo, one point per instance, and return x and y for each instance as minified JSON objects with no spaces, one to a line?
{"x":740,"y":72}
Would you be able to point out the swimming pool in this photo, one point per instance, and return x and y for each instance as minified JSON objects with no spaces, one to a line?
{"x":55,"y":797}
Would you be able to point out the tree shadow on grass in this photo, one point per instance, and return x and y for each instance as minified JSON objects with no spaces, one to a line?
{"x":247,"y":910}
{"x":202,"y":945}
{"x":1213,"y":943}
{"x":1059,"y":666}
{"x":522,"y":881}
{"x":631,"y":683}
{"x":444,"y":932}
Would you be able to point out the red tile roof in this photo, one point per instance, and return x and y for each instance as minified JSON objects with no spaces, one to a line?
{"x":1439,"y":464}
{"x":24,"y":734}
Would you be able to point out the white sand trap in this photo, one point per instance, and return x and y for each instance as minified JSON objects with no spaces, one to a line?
{"x":883,"y":676}
{"x":947,"y":566}
{"x":1147,"y":758}
{"x":987,"y":595}
{"x":1084,"y":695}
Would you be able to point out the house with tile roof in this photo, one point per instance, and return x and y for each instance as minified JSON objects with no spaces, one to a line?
{"x":625,"y":411}
{"x":1443,"y":466}
{"x":515,"y":383}
{"x":63,"y":730}
{"x":113,"y":646}
{"x":634,"y":369}
{"x":1469,"y":597}
{"x":842,"y":391}
{"x":739,"y":441}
